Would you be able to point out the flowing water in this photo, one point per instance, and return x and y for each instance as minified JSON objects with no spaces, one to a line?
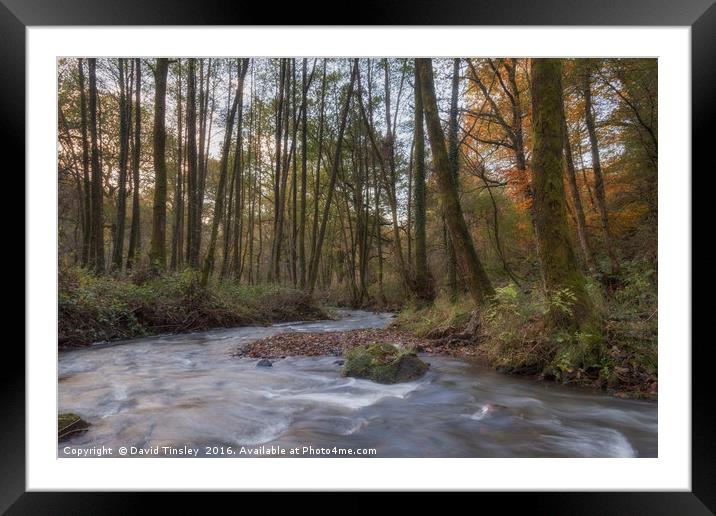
{"x":188,"y":394}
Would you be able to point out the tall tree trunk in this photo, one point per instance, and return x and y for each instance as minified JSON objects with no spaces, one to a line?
{"x":157,"y":251}
{"x":124,"y":119}
{"x":244,"y":250}
{"x":202,"y":150}
{"x":194,"y":223}
{"x":135,"y":241}
{"x":317,"y":178}
{"x":239,"y":173}
{"x":273,"y":272}
{"x":363,"y":216}
{"x":223,"y":170}
{"x":313,"y":273}
{"x":391,"y":182}
{"x":97,"y":237}
{"x":178,"y":186}
{"x":576,"y":198}
{"x":422,"y":281}
{"x":597,"y":169}
{"x":304,"y":154}
{"x":474,"y":274}
{"x":228,"y":217}
{"x":289,"y":158}
{"x":282,"y":177}
{"x":409,"y":208}
{"x":87,"y":228}
{"x":559,"y":267}
{"x":294,"y":182}
{"x":453,"y":154}
{"x":257,"y":187}
{"x":75,"y":171}
{"x":204,"y":158}
{"x":252,"y":179}
{"x":378,"y":225}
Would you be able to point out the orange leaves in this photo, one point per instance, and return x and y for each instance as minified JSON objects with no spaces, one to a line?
{"x":518,"y":187}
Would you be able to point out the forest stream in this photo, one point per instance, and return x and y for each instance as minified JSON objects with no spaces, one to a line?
{"x":188,"y":390}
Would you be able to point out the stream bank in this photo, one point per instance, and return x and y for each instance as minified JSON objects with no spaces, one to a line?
{"x":188,"y":391}
{"x":104,"y":308}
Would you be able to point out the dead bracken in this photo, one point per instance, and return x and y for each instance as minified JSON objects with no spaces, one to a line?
{"x":340,"y":342}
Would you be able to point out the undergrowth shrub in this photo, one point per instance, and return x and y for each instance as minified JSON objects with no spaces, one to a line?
{"x":439,"y":319}
{"x":519,"y":335}
{"x":97,"y":308}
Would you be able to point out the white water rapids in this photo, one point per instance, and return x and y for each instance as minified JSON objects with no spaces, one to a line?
{"x":188,"y":391}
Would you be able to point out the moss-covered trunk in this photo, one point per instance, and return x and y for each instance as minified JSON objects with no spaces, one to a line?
{"x":469,"y":263}
{"x":559,"y":266}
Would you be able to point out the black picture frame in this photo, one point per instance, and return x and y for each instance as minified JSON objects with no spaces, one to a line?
{"x":700,"y":15}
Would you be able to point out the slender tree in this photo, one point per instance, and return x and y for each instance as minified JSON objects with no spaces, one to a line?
{"x":391,"y":179}
{"x":597,"y":168}
{"x":422,"y":281}
{"x":157,"y":251}
{"x":223,"y":171}
{"x":473,"y":272}
{"x":135,"y":231}
{"x":194,"y":223}
{"x":576,"y":198}
{"x":96,"y":258}
{"x":178,"y":227}
{"x":304,"y":179}
{"x":453,"y":152}
{"x":87,"y":229}
{"x":317,"y":174}
{"x":124,"y":120}
{"x":274,"y":270}
{"x":313,"y":273}
{"x":239,"y":174}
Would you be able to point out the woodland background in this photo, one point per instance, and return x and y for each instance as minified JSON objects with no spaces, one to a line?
{"x":513,"y":199}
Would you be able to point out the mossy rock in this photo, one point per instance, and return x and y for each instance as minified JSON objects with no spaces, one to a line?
{"x":383,"y":363}
{"x":69,"y":424}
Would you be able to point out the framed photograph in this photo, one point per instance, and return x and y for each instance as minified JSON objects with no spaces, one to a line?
{"x":441,"y":248}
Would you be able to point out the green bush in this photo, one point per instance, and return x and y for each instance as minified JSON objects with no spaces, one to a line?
{"x":519,"y":336}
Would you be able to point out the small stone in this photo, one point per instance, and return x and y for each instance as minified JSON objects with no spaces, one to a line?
{"x":339,"y":362}
{"x":264,"y":363}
